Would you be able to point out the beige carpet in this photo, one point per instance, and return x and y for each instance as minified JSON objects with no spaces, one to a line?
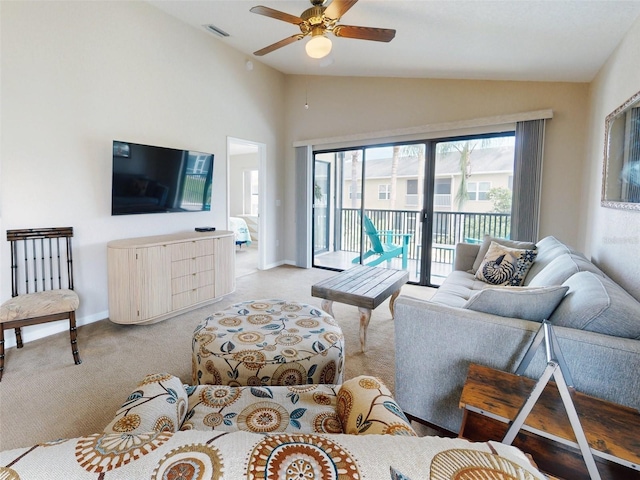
{"x":44,"y":396}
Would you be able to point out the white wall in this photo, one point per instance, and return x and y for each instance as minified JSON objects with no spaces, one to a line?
{"x":613,"y":235}
{"x":77,"y":75}
{"x":348,"y":105}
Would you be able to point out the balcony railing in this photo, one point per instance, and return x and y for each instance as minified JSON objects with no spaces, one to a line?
{"x":449,"y":228}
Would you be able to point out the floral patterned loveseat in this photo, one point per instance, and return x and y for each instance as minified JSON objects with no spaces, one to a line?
{"x":166,"y":430}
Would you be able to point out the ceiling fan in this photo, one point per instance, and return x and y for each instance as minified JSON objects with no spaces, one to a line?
{"x":317,"y":21}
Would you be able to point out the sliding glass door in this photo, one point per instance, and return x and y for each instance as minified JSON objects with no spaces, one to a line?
{"x":472,"y":196}
{"x":321,"y":207}
{"x":406,"y":205}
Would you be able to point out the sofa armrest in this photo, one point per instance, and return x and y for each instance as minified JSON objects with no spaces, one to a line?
{"x":366,"y":406}
{"x":159,"y":403}
{"x":436,"y":343}
{"x":466,"y":254}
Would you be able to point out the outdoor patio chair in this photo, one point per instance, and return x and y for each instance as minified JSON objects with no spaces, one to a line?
{"x":41,"y":284}
{"x":382,"y":246}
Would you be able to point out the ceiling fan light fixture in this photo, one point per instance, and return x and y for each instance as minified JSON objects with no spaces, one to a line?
{"x":319,"y":46}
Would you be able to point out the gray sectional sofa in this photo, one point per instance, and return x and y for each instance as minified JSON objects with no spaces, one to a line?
{"x":596,"y":322}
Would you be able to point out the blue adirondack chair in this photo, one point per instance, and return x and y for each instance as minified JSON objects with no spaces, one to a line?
{"x":382,"y":246}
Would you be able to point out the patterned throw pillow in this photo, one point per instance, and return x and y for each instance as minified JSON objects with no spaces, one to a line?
{"x":505,"y":266}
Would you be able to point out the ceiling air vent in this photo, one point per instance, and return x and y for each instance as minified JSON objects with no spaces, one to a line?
{"x":216,"y":31}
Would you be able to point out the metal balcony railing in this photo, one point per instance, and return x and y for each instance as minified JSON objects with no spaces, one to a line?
{"x":449,"y":228}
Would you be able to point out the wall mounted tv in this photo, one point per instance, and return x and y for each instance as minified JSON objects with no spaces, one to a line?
{"x":149,"y":179}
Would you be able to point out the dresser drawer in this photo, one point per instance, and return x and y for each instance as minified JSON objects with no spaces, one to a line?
{"x":195,"y":295}
{"x":192,"y":281}
{"x":196,"y":248}
{"x":190,"y":265}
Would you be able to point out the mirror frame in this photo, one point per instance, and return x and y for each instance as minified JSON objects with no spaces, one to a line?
{"x":606,"y":168}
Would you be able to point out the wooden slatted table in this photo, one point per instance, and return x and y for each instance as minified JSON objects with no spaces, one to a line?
{"x":362,"y":286}
{"x":492,"y":398}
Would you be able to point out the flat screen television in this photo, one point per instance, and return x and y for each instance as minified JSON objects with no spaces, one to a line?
{"x":151,"y":179}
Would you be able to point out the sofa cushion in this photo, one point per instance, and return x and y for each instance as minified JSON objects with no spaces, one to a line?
{"x":558,"y":270}
{"x":263,"y":409}
{"x":528,"y":303}
{"x":502,"y":241}
{"x":457,"y":289}
{"x":597,"y":304}
{"x":366,"y":406}
{"x":548,"y":248}
{"x":504,"y":265}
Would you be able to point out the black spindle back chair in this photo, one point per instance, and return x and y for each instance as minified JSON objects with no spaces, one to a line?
{"x":41,"y":283}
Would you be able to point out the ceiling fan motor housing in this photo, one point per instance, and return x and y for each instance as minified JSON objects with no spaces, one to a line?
{"x":313,"y":16}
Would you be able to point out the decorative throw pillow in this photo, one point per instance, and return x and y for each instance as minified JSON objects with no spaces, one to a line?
{"x":486,"y":243}
{"x":366,"y":406}
{"x":528,"y":303}
{"x":505,"y":266}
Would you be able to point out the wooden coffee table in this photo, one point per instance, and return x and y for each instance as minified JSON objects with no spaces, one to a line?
{"x":362,"y":286}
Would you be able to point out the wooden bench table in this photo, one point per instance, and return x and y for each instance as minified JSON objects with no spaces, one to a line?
{"x":362,"y":286}
{"x":492,"y":398}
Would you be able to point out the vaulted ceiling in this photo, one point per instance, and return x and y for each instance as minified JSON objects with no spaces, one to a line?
{"x":551,"y":40}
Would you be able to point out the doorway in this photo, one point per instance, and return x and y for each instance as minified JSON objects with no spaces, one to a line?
{"x":245,"y":186}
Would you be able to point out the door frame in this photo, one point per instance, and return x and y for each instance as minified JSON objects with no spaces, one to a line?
{"x":262,"y":172}
{"x":330,"y":207}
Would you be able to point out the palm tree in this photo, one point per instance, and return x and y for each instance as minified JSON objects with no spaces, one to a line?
{"x":406,"y":151}
{"x":465,"y":149}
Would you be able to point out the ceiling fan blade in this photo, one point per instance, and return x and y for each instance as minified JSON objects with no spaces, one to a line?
{"x":364,"y":33}
{"x":337,"y":8}
{"x":277,"y":45}
{"x":277,"y":14}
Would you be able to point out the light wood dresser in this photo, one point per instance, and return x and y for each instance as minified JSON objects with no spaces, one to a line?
{"x":154,"y":278}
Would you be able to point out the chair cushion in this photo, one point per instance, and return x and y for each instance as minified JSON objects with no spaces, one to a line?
{"x":528,"y":303}
{"x":504,"y":265}
{"x":39,"y":304}
{"x":366,"y":406}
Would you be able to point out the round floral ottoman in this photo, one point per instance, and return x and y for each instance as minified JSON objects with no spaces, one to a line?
{"x":268,"y":342}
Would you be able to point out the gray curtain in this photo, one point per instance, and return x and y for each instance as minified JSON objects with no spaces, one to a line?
{"x":303,"y":234}
{"x":527,"y":180}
